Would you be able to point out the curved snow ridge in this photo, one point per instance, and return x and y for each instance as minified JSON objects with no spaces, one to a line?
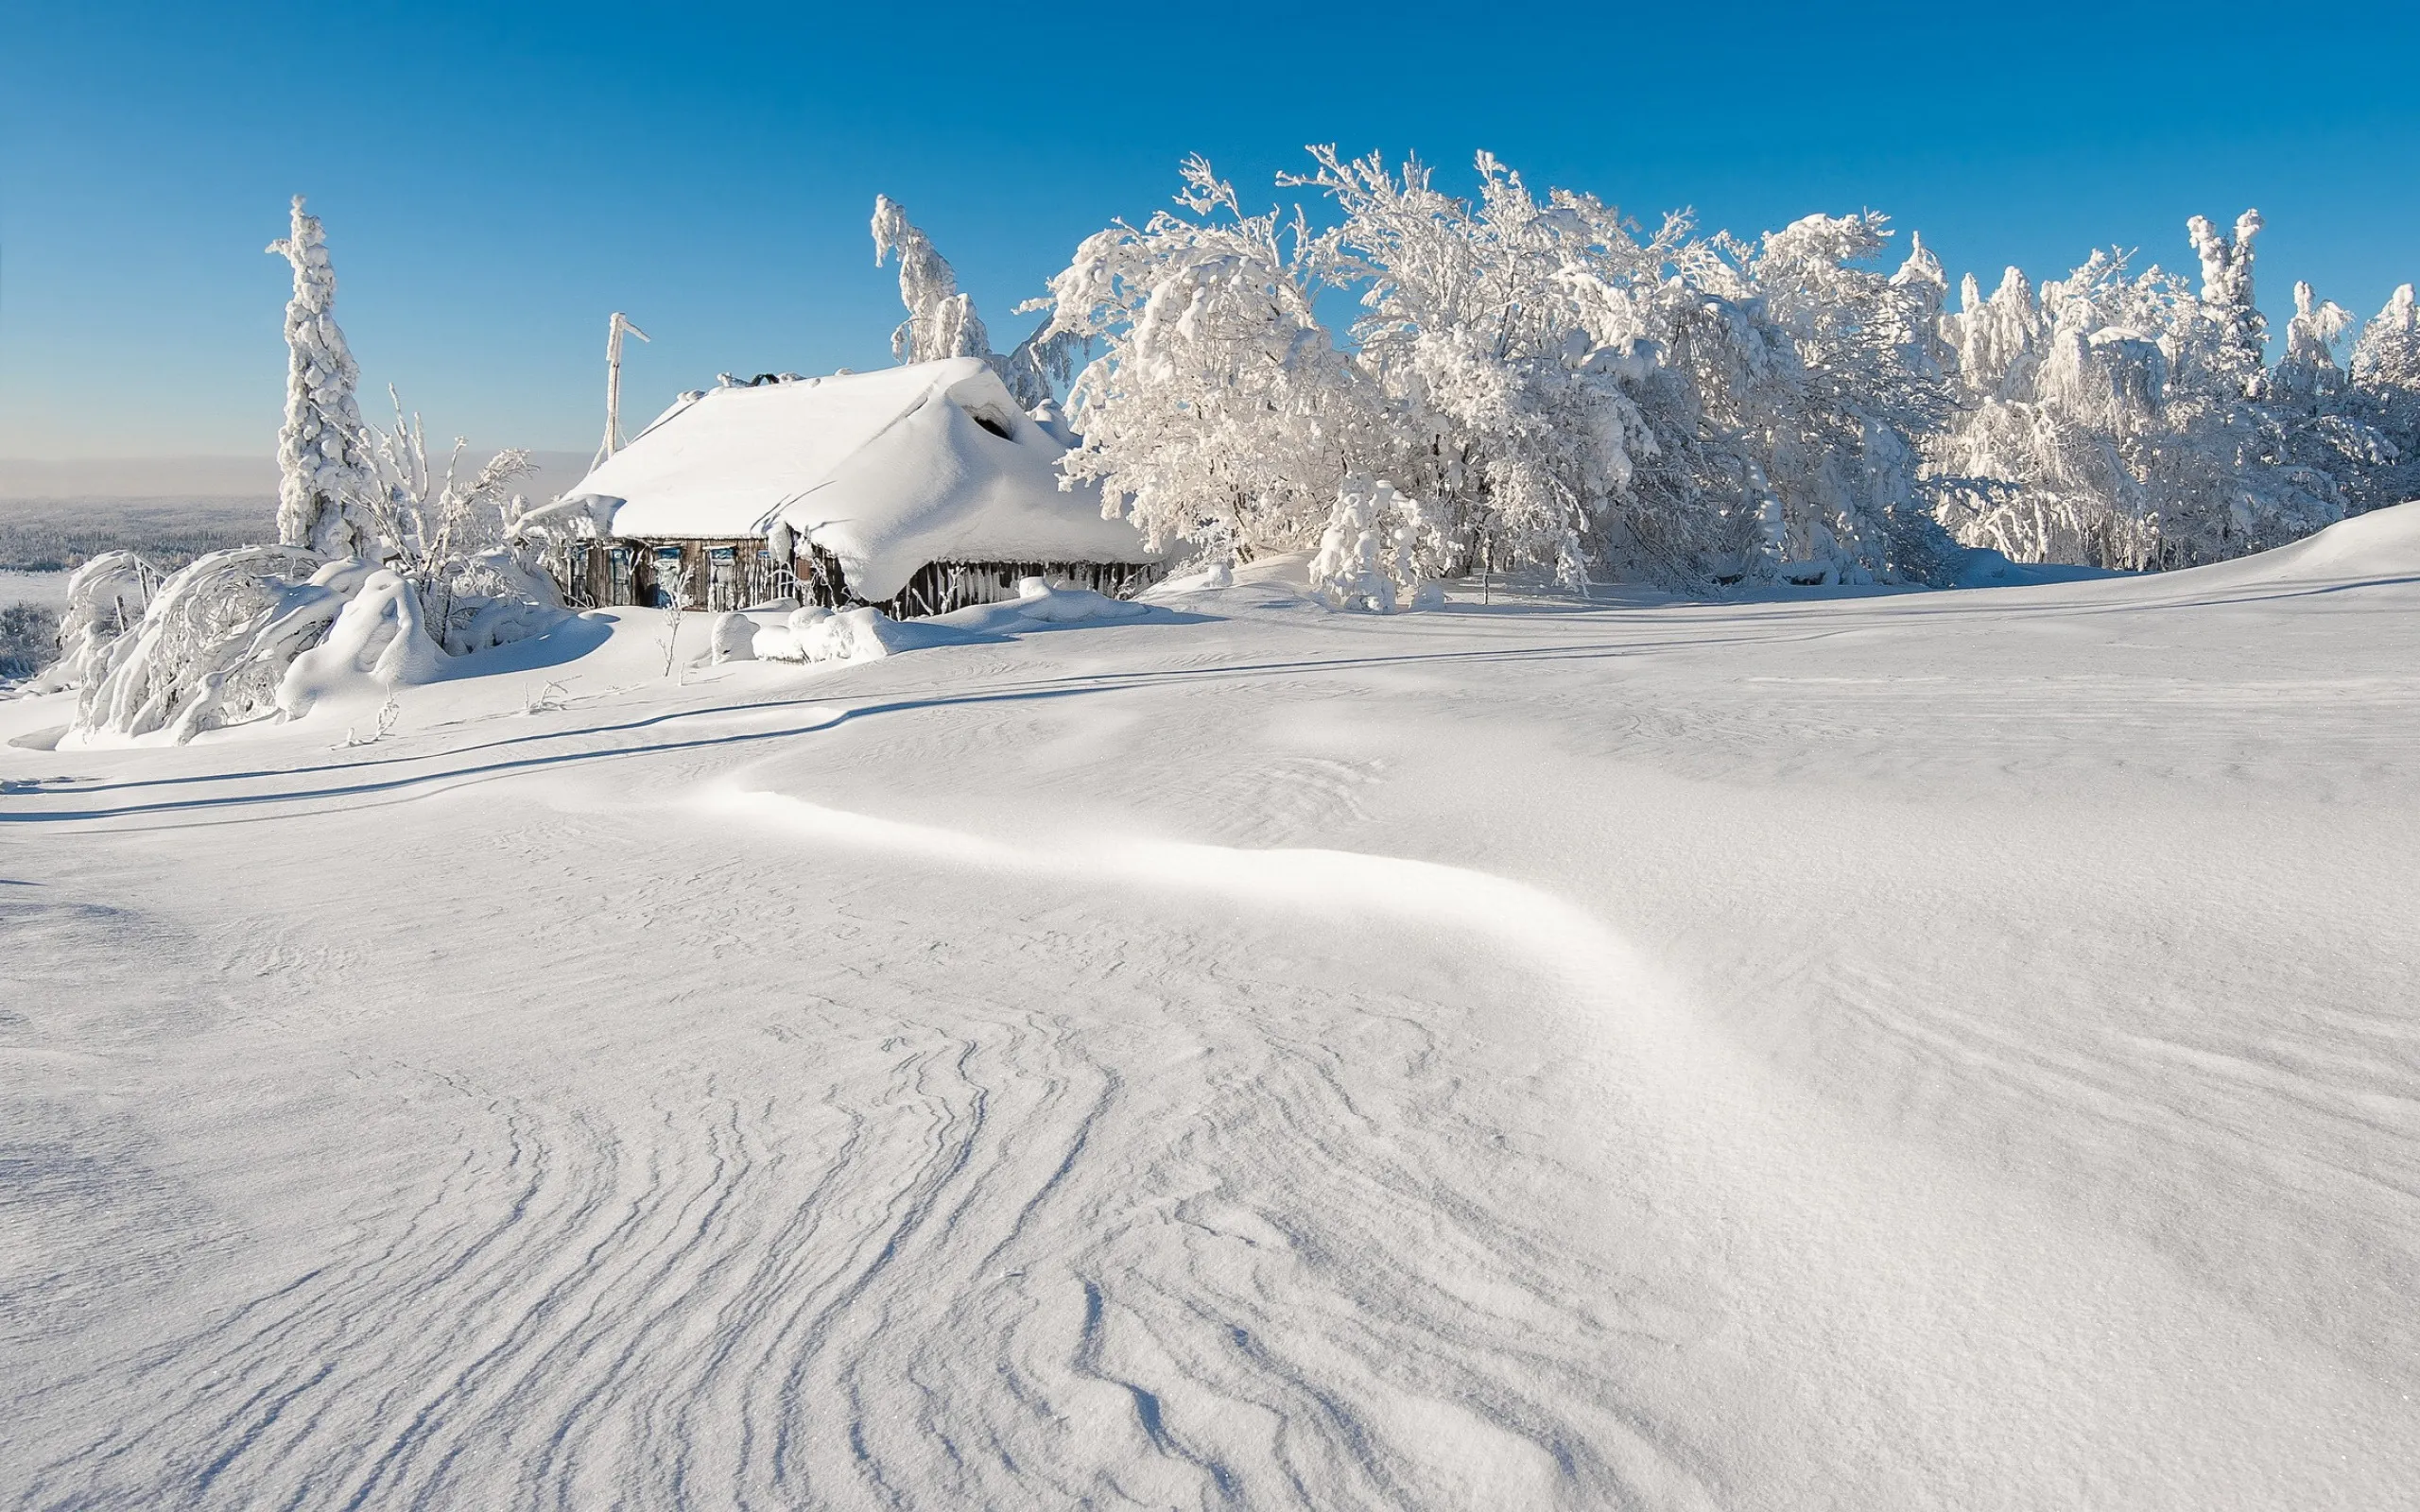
{"x":1544,"y":931}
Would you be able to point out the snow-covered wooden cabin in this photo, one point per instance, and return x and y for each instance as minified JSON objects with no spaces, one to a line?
{"x":920,"y":490}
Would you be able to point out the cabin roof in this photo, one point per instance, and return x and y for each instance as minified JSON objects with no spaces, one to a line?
{"x":886,"y":471}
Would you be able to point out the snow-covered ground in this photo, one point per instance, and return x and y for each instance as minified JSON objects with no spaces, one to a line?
{"x":49,"y":590}
{"x":1936,"y":1050}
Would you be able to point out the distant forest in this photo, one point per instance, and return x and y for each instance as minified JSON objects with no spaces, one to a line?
{"x":50,"y":535}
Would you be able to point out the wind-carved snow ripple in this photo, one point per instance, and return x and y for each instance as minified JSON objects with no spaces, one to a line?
{"x":1219,"y":1224}
{"x":1223,"y":1245}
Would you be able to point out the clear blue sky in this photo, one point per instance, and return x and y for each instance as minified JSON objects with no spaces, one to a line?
{"x":494,"y":184}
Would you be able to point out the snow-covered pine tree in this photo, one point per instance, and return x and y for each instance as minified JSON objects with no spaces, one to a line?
{"x":322,"y":460}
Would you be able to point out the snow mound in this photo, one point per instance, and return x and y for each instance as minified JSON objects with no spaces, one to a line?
{"x":2381,"y":544}
{"x":733,"y":638}
{"x":1983,"y":567}
{"x":1038,"y":603}
{"x":862,"y":634}
{"x":379,"y":640}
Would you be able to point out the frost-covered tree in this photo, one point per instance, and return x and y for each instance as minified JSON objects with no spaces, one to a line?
{"x":2384,"y":393}
{"x":386,"y":566}
{"x":2063,"y":408}
{"x":215,"y":643}
{"x":2387,"y":357}
{"x":1499,"y":331}
{"x":1559,"y":389}
{"x":106,"y":599}
{"x":1220,"y":409}
{"x":1564,"y":391}
{"x":1831,"y":379}
{"x":2128,"y":420}
{"x":320,"y":458}
{"x":942,"y":321}
{"x":2228,"y":477}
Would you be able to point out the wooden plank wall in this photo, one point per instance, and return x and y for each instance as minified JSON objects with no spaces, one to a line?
{"x":733,"y":574}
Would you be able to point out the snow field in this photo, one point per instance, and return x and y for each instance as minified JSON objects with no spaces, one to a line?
{"x":1932,"y":1049}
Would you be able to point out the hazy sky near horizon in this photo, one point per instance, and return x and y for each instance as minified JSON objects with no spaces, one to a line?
{"x":494,"y":184}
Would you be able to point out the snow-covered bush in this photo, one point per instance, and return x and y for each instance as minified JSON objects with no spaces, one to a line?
{"x":29,"y":641}
{"x":106,"y":599}
{"x":819,"y":635}
{"x":215,"y":643}
{"x":732,"y":637}
{"x":466,"y":547}
{"x":380,"y":639}
{"x":1378,"y":551}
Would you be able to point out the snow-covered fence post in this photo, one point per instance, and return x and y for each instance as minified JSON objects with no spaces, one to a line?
{"x":322,"y":461}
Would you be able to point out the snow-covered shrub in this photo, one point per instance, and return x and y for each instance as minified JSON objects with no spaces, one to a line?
{"x":379,"y":639}
{"x":447,"y":538}
{"x":1377,"y":550}
{"x":215,"y":643}
{"x":29,"y":641}
{"x":1038,"y":603}
{"x":106,"y":599}
{"x":819,"y":635}
{"x":732,"y":637}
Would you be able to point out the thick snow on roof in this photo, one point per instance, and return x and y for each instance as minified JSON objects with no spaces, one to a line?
{"x":887,"y":471}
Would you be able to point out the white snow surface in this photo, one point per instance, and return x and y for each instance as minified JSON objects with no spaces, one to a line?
{"x":1922,"y":1050}
{"x":886,"y":470}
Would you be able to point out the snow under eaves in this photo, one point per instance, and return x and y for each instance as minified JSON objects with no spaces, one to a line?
{"x":1918,"y":1049}
{"x":886,"y":470}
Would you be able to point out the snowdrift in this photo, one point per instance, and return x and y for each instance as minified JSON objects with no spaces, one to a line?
{"x":2382,"y":544}
{"x":866,"y":634}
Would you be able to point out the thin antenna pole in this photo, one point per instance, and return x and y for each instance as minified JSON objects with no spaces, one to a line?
{"x":615,"y":331}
